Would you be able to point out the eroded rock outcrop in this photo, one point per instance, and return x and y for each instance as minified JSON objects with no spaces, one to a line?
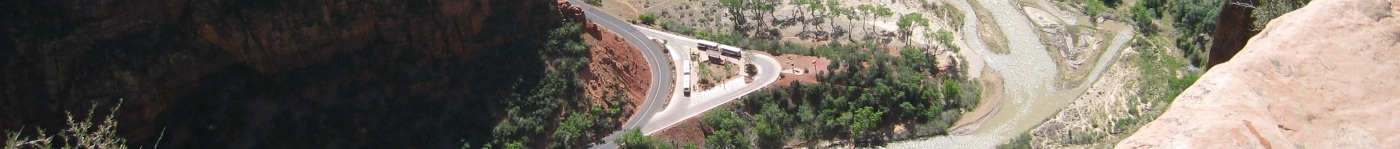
{"x":1234,"y":27}
{"x":1324,"y":76}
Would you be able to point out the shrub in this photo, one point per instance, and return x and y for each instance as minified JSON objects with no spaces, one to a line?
{"x":633,"y":138}
{"x":1094,"y":7}
{"x":1143,"y":16}
{"x":1195,"y":18}
{"x":1270,"y":9}
{"x":647,"y":18}
{"x":80,"y":134}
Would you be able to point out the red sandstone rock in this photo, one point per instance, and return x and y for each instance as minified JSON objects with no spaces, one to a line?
{"x":1324,"y":76}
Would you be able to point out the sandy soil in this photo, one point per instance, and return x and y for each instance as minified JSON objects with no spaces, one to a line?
{"x":614,"y":64}
{"x":990,"y":103}
{"x":1094,"y":111}
{"x":1074,"y":43}
{"x":623,"y":9}
{"x":988,"y":30}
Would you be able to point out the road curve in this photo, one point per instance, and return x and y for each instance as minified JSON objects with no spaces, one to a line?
{"x":658,"y":62}
{"x":682,"y":108}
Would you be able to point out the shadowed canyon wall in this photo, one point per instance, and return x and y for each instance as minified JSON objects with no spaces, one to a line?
{"x":272,"y":73}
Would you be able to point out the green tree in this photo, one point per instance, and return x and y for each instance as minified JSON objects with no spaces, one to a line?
{"x":574,"y":128}
{"x":944,"y":37}
{"x":835,"y":10}
{"x":726,"y":139}
{"x":770,"y":135}
{"x":950,"y":88}
{"x":722,"y":118}
{"x":728,"y":129}
{"x":866,"y":10}
{"x":762,"y":8}
{"x":908,"y":110}
{"x":883,"y":11}
{"x":515,"y":145}
{"x":876,"y":12}
{"x":907,"y":21}
{"x":1094,"y":7}
{"x":633,"y":138}
{"x":690,"y":145}
{"x":864,"y":120}
{"x":1143,"y":14}
{"x":1195,"y":18}
{"x":736,"y":8}
{"x":815,"y":6}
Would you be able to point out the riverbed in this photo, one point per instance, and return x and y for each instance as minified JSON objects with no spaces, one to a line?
{"x":1028,"y":74}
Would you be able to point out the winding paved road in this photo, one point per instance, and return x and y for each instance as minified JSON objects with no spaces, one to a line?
{"x":682,"y":108}
{"x":660,"y":68}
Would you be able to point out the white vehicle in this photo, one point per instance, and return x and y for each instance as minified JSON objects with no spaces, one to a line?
{"x":706,"y":45}
{"x":685,"y":78}
{"x":730,"y":50}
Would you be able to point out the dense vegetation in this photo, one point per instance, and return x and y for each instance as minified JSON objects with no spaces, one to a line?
{"x":1164,"y":68}
{"x":1144,"y":13}
{"x":549,"y":110}
{"x":633,"y":138}
{"x":304,"y":74}
{"x":1095,"y":7}
{"x":1195,"y":19}
{"x":866,"y":92}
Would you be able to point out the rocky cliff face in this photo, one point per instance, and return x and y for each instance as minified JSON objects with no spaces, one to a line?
{"x":1323,"y":76}
{"x":1232,"y":31}
{"x":272,"y":73}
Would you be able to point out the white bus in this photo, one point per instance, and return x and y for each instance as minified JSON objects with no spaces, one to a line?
{"x":730,"y":50}
{"x":685,"y":78}
{"x":706,"y":45}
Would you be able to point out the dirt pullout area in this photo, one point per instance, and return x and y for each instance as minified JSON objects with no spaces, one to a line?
{"x":1324,"y":76}
{"x":616,"y":69}
{"x":807,"y":66}
{"x":988,"y":105}
{"x":1090,"y":118}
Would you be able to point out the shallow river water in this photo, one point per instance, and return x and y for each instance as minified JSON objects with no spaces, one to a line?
{"x":1028,"y":73}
